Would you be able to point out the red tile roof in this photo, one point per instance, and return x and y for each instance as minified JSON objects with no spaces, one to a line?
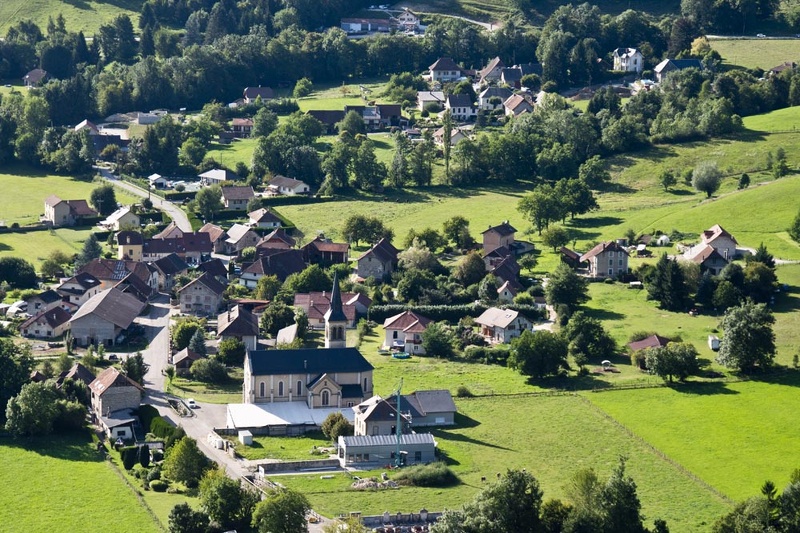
{"x":653,"y":341}
{"x":407,"y":321}
{"x":111,"y":377}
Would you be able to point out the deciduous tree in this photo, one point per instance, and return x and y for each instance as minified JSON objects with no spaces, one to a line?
{"x":748,"y":341}
{"x":538,"y":354}
{"x":566,"y":288}
{"x":185,"y":462}
{"x":283,"y":511}
{"x":706,"y":177}
{"x":675,"y":360}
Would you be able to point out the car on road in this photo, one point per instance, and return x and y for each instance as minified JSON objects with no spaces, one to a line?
{"x":191,"y":403}
{"x":760,"y":35}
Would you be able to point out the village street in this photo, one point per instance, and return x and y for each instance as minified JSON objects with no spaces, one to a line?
{"x":175,"y":213}
{"x":207,"y":416}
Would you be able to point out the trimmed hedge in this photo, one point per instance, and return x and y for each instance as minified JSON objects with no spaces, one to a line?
{"x":161,"y":428}
{"x":488,"y":356}
{"x":179,"y":195}
{"x":273,"y":201}
{"x":450,"y":313}
{"x":146,"y":414}
{"x":129,"y":456}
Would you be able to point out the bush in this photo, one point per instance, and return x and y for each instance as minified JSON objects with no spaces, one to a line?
{"x":146,"y":415}
{"x":430,"y":475}
{"x":463,"y":392}
{"x":209,"y":371}
{"x":129,"y":456}
{"x":158,"y":485}
{"x":154,"y":474}
{"x":161,"y":428}
{"x":487,"y":356}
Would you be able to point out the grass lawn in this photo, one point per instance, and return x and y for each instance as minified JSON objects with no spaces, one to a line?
{"x":779,"y":120}
{"x":624,"y":311}
{"x":86,"y":15}
{"x":756,"y":53}
{"x":732,"y":436}
{"x":63,"y":484}
{"x":551,"y":437}
{"x":31,"y":187}
{"x":161,"y":503}
{"x":35,"y":246}
{"x":787,"y":309}
{"x":230,"y":154}
{"x":433,"y":373}
{"x":228,"y":392}
{"x":283,"y":448}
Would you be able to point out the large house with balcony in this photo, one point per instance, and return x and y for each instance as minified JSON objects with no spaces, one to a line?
{"x":499,"y":326}
{"x":404,"y":332}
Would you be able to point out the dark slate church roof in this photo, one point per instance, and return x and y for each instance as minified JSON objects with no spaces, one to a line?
{"x":307,"y":361}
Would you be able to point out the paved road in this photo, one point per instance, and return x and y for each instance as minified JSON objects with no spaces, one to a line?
{"x":207,"y":416}
{"x":175,"y":212}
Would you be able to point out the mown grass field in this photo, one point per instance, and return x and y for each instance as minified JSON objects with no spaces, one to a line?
{"x":552,"y":437}
{"x":756,"y":53}
{"x":86,"y":15}
{"x":434,"y":373}
{"x":283,"y":448}
{"x":230,"y":154}
{"x":27,"y":189}
{"x":228,"y":392}
{"x":733,"y":436}
{"x":35,"y":246}
{"x":779,"y":120}
{"x":63,"y":485}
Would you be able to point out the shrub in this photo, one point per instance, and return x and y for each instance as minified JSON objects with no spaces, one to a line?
{"x":129,"y":456}
{"x":161,"y":428}
{"x":430,"y":475}
{"x":463,"y":392}
{"x":209,"y":371}
{"x":487,"y":356}
{"x":154,"y":474}
{"x":144,"y":456}
{"x":158,"y":485}
{"x":146,"y":415}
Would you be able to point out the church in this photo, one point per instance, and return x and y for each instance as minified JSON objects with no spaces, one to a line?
{"x":332,"y":377}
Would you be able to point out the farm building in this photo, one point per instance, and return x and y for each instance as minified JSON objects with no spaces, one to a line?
{"x":378,"y":450}
{"x":104,"y":317}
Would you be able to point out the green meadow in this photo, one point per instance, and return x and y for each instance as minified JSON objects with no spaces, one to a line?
{"x":27,"y":189}
{"x":36,"y":246}
{"x":75,"y":489}
{"x":756,"y":53}
{"x":552,"y":437}
{"x":733,"y":436}
{"x":86,"y":15}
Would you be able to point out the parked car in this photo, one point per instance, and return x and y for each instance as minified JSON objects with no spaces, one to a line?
{"x":191,"y":403}
{"x":760,"y":35}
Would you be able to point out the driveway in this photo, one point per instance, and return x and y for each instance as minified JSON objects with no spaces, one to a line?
{"x":175,"y":212}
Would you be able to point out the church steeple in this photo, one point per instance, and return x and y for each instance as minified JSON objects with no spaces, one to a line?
{"x":335,"y":319}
